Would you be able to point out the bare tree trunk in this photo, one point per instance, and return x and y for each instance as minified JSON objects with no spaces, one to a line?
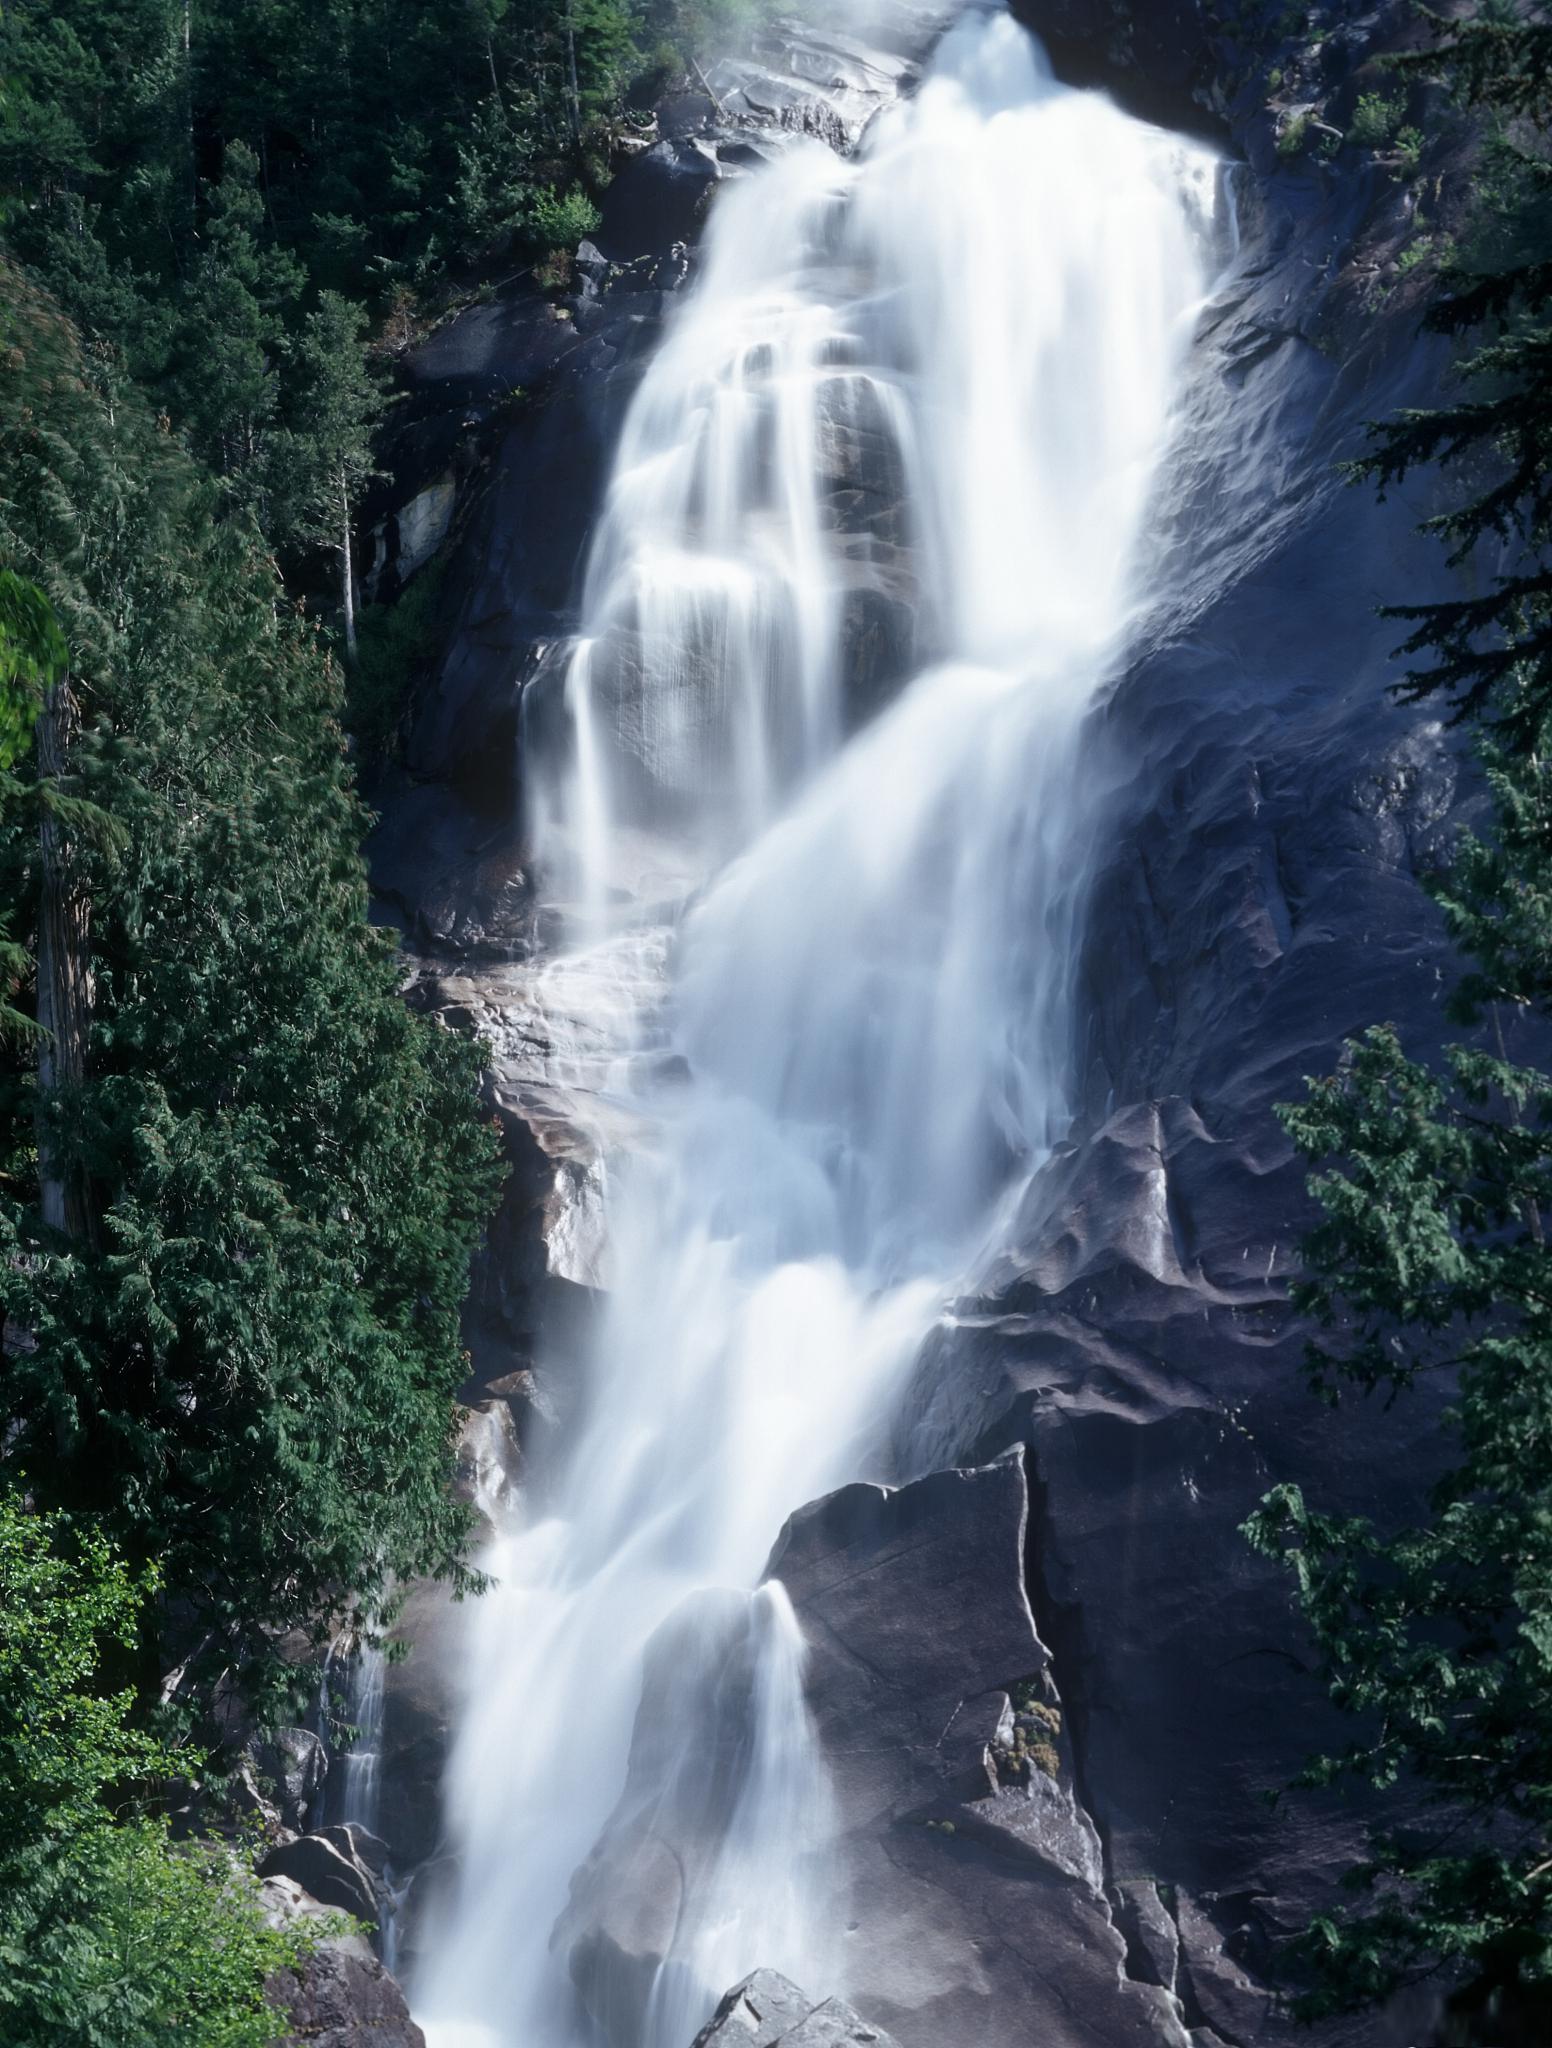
{"x":571,"y":72}
{"x":64,"y":981}
{"x":347,"y":573}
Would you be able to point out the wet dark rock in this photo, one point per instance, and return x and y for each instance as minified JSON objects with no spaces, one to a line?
{"x":658,"y":199}
{"x":488,"y":1459}
{"x":421,"y":1698}
{"x":768,"y":2010}
{"x":341,"y":1997}
{"x":291,"y":1766}
{"x":975,"y":1911}
{"x":342,"y":1867}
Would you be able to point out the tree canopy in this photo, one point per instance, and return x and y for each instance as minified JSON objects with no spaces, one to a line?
{"x":246,"y":1371}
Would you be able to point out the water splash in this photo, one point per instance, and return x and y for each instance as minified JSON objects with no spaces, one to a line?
{"x":927,"y":391}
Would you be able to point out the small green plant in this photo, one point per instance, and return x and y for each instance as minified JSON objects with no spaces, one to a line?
{"x":1376,"y":120}
{"x":1408,"y":152}
{"x":1290,"y":143}
{"x":559,"y":220}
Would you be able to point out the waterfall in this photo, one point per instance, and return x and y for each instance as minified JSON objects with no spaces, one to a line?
{"x":871,"y":546}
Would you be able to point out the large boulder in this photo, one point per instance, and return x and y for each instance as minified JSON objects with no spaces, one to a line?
{"x":340,"y":1996}
{"x":966,"y":1901}
{"x":768,"y":2010}
{"x":341,"y":1866}
{"x":973,"y":1878}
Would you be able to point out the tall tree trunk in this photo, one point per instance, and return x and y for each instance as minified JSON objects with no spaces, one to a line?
{"x":64,"y":982}
{"x":347,"y":574}
{"x":571,"y":73}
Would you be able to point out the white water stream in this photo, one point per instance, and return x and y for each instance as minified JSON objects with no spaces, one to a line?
{"x":870,"y":994}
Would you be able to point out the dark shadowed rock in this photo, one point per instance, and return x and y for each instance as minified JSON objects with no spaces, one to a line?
{"x":341,"y":1867}
{"x":291,"y":1765}
{"x":658,"y":199}
{"x":769,"y":2011}
{"x":974,"y":1909}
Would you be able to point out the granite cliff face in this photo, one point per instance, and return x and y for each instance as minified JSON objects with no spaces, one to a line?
{"x":1083,"y":1438}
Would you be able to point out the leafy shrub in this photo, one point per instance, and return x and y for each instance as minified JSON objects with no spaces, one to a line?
{"x":111,"y":1935}
{"x":1376,"y":120}
{"x":559,"y":220}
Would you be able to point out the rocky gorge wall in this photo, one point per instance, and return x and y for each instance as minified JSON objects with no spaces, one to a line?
{"x":1055,"y":1688}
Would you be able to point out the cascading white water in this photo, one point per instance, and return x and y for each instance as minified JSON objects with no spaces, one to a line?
{"x":871,"y":993}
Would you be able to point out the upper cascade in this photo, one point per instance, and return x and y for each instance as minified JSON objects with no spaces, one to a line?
{"x":848,"y":437}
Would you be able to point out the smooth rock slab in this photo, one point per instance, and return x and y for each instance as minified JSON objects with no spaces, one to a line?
{"x":769,"y":2011}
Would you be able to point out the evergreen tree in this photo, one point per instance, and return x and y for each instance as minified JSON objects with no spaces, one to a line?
{"x":325,"y":462}
{"x":230,"y":329}
{"x":1431,"y":1258}
{"x":243,"y":1365}
{"x":33,"y":657}
{"x":1501,"y":426}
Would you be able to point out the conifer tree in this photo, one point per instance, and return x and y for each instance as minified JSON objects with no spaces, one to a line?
{"x":325,"y":462}
{"x":245,"y":1371}
{"x":1431,"y":1260}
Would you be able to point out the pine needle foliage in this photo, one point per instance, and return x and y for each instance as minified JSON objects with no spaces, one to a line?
{"x":249,"y":1378}
{"x":1496,"y":438}
{"x":1430,"y":1264}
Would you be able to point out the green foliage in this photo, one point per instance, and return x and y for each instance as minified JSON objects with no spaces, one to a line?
{"x":1498,"y":433}
{"x":32,"y":656}
{"x":111,"y":1936}
{"x":1431,"y":1261}
{"x":1376,"y":120}
{"x":251,"y":1379}
{"x":225,"y":198}
{"x":562,"y":219}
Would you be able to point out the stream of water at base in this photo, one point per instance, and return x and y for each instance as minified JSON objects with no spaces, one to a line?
{"x":864,"y":1036}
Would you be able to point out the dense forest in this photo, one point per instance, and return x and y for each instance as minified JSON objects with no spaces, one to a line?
{"x":240,"y":1184}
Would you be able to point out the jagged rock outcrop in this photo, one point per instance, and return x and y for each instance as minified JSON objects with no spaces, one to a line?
{"x":975,"y":1900}
{"x":769,"y":2011}
{"x":969,"y":1879}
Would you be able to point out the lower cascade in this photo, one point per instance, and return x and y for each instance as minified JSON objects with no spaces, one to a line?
{"x":867,"y":889}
